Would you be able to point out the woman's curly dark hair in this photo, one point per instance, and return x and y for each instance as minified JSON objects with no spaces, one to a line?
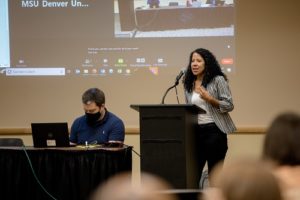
{"x":211,"y":70}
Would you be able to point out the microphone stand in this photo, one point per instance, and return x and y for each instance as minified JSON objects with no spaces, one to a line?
{"x":163,"y":99}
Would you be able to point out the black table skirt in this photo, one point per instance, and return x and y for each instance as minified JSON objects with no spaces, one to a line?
{"x":66,"y":173}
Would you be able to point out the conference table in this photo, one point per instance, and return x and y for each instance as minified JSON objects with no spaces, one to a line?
{"x":61,"y":173}
{"x":182,"y":17}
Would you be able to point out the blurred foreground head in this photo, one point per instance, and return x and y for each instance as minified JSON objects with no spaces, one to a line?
{"x":245,"y":180}
{"x":282,"y":141}
{"x":120,"y":187}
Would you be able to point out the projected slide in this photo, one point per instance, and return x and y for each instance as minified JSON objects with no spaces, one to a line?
{"x":111,"y":37}
{"x":4,"y":36}
{"x":174,"y":19}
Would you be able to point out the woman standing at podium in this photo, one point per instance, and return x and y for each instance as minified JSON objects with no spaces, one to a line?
{"x":206,"y":86}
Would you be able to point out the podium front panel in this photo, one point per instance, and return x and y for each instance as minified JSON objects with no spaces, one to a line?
{"x":167,"y":144}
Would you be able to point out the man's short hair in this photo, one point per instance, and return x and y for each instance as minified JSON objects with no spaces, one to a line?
{"x":93,"y":95}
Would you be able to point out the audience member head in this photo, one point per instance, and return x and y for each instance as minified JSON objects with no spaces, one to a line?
{"x":93,"y":95}
{"x":243,"y":180}
{"x":282,"y":141}
{"x":120,"y":187}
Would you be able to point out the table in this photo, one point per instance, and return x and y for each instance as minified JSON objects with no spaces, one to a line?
{"x":66,"y":173}
{"x":181,"y":17}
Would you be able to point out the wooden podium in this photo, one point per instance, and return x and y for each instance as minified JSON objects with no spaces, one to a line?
{"x":167,"y":135}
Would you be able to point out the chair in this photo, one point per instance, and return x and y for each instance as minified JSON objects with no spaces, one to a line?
{"x":9,"y":142}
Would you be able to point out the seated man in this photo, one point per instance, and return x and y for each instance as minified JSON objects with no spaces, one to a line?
{"x":153,"y":3}
{"x":98,"y":125}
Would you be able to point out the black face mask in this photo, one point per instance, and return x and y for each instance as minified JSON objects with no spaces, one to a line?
{"x":92,"y":118}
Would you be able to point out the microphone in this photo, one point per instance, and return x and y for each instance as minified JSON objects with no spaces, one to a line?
{"x":178,"y":77}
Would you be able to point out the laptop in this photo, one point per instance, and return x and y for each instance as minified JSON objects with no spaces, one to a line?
{"x":50,"y":134}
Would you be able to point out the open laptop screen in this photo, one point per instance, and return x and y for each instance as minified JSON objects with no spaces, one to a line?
{"x":50,"y":134}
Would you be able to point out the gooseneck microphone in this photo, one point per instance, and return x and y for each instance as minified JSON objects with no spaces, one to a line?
{"x":178,"y":77}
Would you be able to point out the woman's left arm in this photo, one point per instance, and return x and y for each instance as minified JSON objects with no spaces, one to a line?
{"x":224,"y":95}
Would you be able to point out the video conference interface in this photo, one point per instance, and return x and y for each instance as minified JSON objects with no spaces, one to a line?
{"x":111,"y":37}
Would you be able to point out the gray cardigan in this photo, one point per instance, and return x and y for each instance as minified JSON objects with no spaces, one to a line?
{"x":219,"y":89}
